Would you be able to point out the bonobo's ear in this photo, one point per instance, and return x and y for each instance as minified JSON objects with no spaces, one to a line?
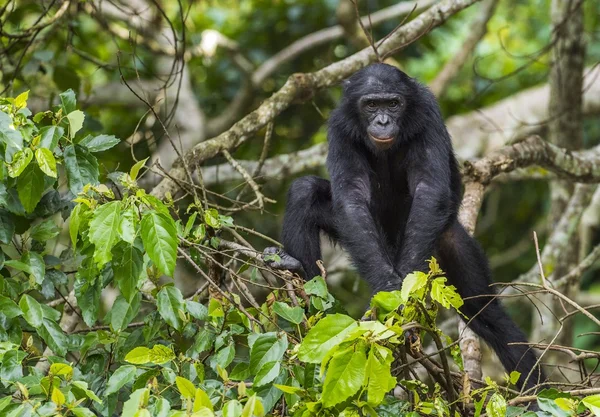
{"x":346,"y":84}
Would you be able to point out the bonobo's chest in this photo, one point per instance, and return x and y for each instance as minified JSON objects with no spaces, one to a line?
{"x":389,"y":184}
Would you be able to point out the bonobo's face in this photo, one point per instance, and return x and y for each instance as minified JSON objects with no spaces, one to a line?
{"x":382,"y":113}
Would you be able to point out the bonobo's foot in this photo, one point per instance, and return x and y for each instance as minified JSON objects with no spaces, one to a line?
{"x":285,"y":261}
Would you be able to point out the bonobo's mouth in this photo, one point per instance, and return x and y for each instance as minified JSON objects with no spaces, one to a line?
{"x":381,"y":140}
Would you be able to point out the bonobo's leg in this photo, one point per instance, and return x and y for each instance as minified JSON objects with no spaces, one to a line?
{"x":467,"y":268}
{"x":308,"y":211}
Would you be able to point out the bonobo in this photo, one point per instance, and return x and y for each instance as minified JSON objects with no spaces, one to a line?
{"x":392,"y":203}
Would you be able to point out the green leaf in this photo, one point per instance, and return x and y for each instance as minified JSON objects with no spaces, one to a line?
{"x":7,"y":227}
{"x":225,"y":356}
{"x":201,"y":399}
{"x":496,"y":407}
{"x":136,"y":400}
{"x":81,"y":167}
{"x":514,"y":377}
{"x":267,"y":373}
{"x":77,"y":219}
{"x":169,"y":303}
{"x":159,"y":236}
{"x":68,"y":101}
{"x":83,"y":412}
{"x":44,"y":231}
{"x":292,"y":314}
{"x":186,"y":387}
{"x":326,"y":334}
{"x":240,"y":372}
{"x":30,"y":186}
{"x":123,"y":311}
{"x":592,"y":402}
{"x":21,"y":100}
{"x":444,"y":294}
{"x":9,"y":308}
{"x":196,"y":310}
{"x":380,"y":380}
{"x":211,"y":218}
{"x":232,"y":408}
{"x":345,"y":375}
{"x":75,"y":118}
{"x":127,"y":228}
{"x":46,"y":161}
{"x":54,"y":337}
{"x":413,"y":285}
{"x":120,"y":378}
{"x":135,"y":170}
{"x":104,"y":228}
{"x":32,"y":311}
{"x":37,"y":266}
{"x":50,"y":135}
{"x":386,"y":302}
{"x":253,"y":407}
{"x":317,"y":286}
{"x":266,"y":348}
{"x":99,"y":143}
{"x":19,"y":162}
{"x":138,"y":356}
{"x":160,"y":354}
{"x":61,"y":369}
{"x":127,"y":265}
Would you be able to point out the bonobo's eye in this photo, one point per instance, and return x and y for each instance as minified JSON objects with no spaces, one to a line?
{"x":394,"y":104}
{"x":371,"y":105}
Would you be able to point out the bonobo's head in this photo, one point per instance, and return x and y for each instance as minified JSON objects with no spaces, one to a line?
{"x":380,"y":97}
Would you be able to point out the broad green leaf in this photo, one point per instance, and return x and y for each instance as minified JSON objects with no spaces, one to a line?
{"x":127,"y":227}
{"x":9,"y":308}
{"x":225,"y":356}
{"x":21,"y":100}
{"x":345,"y":375}
{"x":99,"y":143}
{"x":76,"y":221}
{"x":37,"y":266}
{"x":54,"y":337}
{"x":378,"y":375}
{"x":253,"y":407}
{"x":317,"y":286}
{"x":159,"y":236}
{"x":186,"y":387}
{"x":104,"y":231}
{"x":136,"y":400}
{"x":58,"y":397}
{"x":444,"y":294}
{"x":170,"y":302}
{"x":289,"y":389}
{"x":326,"y":334}
{"x":514,"y":377}
{"x":30,"y":186}
{"x":413,"y":284}
{"x":240,"y":372}
{"x":75,"y":118}
{"x":61,"y":369}
{"x":87,"y":291}
{"x":44,"y":231}
{"x":83,"y":412}
{"x":81,"y":167}
{"x":232,"y":408}
{"x":7,"y":227}
{"x":50,"y":135}
{"x":135,"y":169}
{"x":196,"y":310}
{"x":387,"y":301}
{"x":120,"y":378}
{"x":267,"y":373}
{"x":46,"y":161}
{"x":162,"y":408}
{"x":592,"y":402}
{"x":292,"y":314}
{"x":32,"y":310}
{"x":127,"y":265}
{"x":267,"y":347}
{"x":201,"y":400}
{"x":19,"y":162}
{"x":211,"y":218}
{"x":123,"y":311}
{"x":160,"y":354}
{"x":496,"y":407}
{"x":68,"y":101}
{"x":139,"y":356}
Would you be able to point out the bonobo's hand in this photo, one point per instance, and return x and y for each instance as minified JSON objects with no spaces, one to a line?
{"x":285,"y":261}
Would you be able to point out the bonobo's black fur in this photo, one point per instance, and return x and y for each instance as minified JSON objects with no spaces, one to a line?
{"x":392,"y":203}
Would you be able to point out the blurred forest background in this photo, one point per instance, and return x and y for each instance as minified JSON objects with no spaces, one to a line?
{"x":204,"y":65}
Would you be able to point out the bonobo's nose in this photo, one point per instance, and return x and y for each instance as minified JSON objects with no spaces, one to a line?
{"x":382,"y":120}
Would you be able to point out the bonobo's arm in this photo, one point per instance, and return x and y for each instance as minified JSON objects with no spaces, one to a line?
{"x":429,"y":181}
{"x":358,"y":232}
